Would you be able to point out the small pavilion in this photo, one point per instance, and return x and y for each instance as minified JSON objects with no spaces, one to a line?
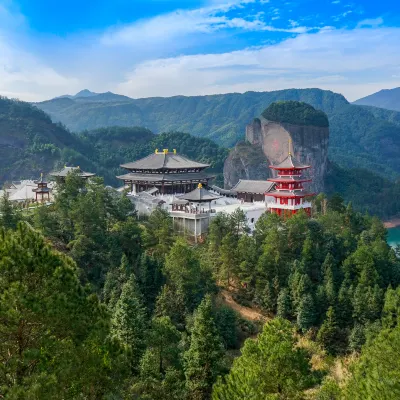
{"x":42,"y":192}
{"x":192,"y":211}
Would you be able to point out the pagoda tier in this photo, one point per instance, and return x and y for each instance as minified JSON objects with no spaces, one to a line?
{"x":167,"y":171}
{"x":289,"y":195}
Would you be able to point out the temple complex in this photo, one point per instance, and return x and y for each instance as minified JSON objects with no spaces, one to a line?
{"x":165,"y":172}
{"x":289,"y":195}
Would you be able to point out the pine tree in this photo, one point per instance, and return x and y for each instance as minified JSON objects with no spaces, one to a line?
{"x":270,"y":367}
{"x":203,"y":359}
{"x":171,"y":303}
{"x":8,"y":216}
{"x":115,"y":279}
{"x":229,"y":258}
{"x":284,"y":306}
{"x":329,"y":335}
{"x":150,"y":279}
{"x":306,"y":313}
{"x":129,"y":321}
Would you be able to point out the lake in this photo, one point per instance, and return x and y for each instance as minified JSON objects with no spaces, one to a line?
{"x":394,"y":236}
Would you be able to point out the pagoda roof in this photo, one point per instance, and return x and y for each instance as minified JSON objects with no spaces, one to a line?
{"x":290,"y":163}
{"x":143,"y":177}
{"x":290,"y":179}
{"x":248,"y":186}
{"x":290,"y":193}
{"x":67,"y":170}
{"x":164,"y":160}
{"x":200,"y":194}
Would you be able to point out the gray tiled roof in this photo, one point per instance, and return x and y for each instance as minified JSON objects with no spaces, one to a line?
{"x":66,"y":170}
{"x":290,"y":162}
{"x":200,"y":195}
{"x":163,"y":161}
{"x":247,"y":186}
{"x":142,"y":177}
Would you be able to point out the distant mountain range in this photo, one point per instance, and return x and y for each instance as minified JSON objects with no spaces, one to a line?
{"x":386,"y":98}
{"x":363,"y":137}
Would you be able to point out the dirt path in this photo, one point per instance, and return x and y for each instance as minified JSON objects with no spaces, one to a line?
{"x":245,"y":312}
{"x":392,"y":223}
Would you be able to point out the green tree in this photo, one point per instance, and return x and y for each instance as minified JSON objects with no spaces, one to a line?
{"x":184,"y":273}
{"x":158,"y":235}
{"x":229,"y":258}
{"x":129,"y":324}
{"x":203,"y":359}
{"x":284,"y":304}
{"x":8,"y":215}
{"x":270,"y":367}
{"x":53,"y":336}
{"x":306,"y":313}
{"x":329,"y":335}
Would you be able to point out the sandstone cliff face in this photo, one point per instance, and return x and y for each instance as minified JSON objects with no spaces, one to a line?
{"x":309,"y":145}
{"x":245,"y":161}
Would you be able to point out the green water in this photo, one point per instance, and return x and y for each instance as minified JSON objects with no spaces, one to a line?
{"x":394,"y":236}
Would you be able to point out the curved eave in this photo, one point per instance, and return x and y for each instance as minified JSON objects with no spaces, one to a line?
{"x":290,"y":169}
{"x":289,"y":196}
{"x":283,"y":180}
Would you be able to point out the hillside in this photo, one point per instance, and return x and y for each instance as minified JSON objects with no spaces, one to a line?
{"x":386,"y":98}
{"x":359,"y":137}
{"x":30,"y":143}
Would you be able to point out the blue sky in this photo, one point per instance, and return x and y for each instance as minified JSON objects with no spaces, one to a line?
{"x":144,"y":48}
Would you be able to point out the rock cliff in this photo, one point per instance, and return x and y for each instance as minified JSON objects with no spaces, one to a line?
{"x":272,"y":138}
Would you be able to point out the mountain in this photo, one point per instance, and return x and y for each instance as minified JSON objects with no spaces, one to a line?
{"x":88,"y":96}
{"x":30,"y":143}
{"x":386,"y":98}
{"x":359,"y":136}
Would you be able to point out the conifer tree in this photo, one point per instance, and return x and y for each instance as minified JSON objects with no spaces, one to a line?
{"x":203,"y":359}
{"x":329,"y":335}
{"x":8,"y":216}
{"x":270,"y":367}
{"x":284,"y":304}
{"x":129,"y":321}
{"x":306,"y":313}
{"x":229,"y":258}
{"x":115,"y":279}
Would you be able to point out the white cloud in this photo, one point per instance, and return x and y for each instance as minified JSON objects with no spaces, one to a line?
{"x":370,"y":23}
{"x":351,"y":62}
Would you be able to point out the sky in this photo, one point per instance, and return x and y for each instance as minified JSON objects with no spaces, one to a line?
{"x":146,"y":48}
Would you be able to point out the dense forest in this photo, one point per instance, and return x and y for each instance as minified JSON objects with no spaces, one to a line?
{"x":95,"y":304}
{"x":295,"y":113}
{"x":360,"y":137}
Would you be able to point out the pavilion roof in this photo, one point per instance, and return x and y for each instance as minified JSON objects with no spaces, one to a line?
{"x":290,"y":163}
{"x":199,"y":194}
{"x":163,"y":160}
{"x":66,"y":170}
{"x":248,"y":186}
{"x":143,"y":177}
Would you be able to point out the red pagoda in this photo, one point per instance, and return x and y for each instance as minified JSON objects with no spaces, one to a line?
{"x":289,"y":195}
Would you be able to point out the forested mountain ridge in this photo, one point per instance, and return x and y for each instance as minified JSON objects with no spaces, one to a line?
{"x":30,"y":143}
{"x":386,"y":98}
{"x":359,"y":137}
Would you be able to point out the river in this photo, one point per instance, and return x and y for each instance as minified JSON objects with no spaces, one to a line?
{"x":394,"y":236}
